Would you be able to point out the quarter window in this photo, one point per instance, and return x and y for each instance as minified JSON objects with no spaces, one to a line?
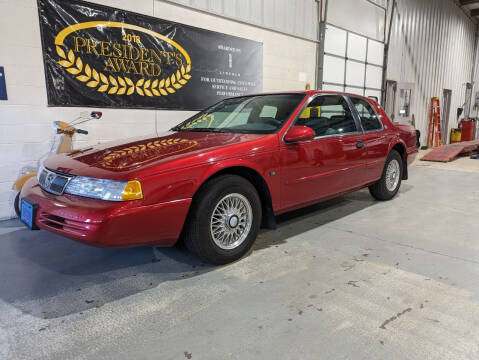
{"x":328,"y":115}
{"x":369,"y":119}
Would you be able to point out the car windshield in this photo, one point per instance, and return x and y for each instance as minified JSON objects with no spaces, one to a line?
{"x":262,"y":114}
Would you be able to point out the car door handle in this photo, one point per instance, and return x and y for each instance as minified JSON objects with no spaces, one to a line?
{"x":360,"y":144}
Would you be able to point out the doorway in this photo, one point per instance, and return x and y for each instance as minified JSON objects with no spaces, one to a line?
{"x":390,"y":104}
{"x":399,"y":101}
{"x":404,"y":102}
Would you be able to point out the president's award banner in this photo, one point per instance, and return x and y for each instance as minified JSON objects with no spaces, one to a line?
{"x":105,"y":57}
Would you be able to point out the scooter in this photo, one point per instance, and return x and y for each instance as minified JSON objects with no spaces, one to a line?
{"x":65,"y":145}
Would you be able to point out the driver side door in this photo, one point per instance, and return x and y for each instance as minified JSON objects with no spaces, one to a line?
{"x":332,"y":163}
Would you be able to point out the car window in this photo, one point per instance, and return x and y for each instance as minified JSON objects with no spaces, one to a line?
{"x":328,"y":115}
{"x":258,"y":114}
{"x":369,"y":119}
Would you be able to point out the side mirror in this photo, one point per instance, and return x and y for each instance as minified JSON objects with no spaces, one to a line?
{"x":299,"y":133}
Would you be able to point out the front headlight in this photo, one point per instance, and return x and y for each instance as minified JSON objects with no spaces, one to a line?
{"x":39,"y":172}
{"x":104,"y":189}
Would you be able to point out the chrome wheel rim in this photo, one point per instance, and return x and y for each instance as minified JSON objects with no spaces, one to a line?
{"x":231,"y":221}
{"x":392,"y":175}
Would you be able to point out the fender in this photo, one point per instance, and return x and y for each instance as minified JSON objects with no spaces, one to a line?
{"x":266,"y":164}
{"x":394,"y":141}
{"x":18,"y":184}
{"x":266,"y":179}
{"x":184,"y":182}
{"x":398,"y":140}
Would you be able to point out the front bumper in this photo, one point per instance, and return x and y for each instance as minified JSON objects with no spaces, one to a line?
{"x":104,"y":223}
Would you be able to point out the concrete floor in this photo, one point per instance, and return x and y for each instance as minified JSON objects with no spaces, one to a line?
{"x":347,"y":279}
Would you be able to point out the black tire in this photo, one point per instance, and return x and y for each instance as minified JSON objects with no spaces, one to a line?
{"x":197,"y":235}
{"x":380,"y":189}
{"x":16,"y":204}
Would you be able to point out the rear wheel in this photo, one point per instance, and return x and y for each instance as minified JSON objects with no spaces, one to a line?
{"x":388,"y":186}
{"x":224,"y":220}
{"x":16,"y":204}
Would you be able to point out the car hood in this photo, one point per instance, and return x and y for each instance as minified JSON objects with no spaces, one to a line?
{"x":130,"y":157}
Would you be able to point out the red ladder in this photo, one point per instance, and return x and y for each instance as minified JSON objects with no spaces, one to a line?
{"x":434,"y":130}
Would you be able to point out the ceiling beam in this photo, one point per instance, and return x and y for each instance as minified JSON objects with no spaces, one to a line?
{"x":474,"y":12}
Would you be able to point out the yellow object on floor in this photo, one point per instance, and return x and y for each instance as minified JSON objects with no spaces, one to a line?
{"x":455,"y":135}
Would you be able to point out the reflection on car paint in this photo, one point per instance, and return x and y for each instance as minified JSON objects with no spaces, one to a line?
{"x":147,"y":152}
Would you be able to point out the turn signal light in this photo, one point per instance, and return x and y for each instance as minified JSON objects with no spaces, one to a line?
{"x":132,"y":191}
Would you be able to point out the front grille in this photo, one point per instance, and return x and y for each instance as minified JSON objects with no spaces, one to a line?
{"x":52,"y":181}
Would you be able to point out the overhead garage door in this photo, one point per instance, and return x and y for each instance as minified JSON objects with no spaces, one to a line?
{"x":354,"y":46}
{"x":352,"y":62}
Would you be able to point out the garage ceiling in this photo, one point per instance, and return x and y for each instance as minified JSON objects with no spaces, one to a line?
{"x":472,"y":6}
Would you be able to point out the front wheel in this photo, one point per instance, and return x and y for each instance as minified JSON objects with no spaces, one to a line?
{"x":388,"y":186}
{"x":224,"y":220}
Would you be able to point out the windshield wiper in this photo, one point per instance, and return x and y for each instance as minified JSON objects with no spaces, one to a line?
{"x":205,"y":130}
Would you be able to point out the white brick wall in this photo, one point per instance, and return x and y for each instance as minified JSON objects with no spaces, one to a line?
{"x":26,"y":121}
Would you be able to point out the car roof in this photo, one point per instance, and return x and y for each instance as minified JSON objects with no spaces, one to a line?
{"x":308,"y":93}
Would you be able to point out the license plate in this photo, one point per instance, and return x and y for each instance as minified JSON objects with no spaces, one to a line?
{"x":28,"y":212}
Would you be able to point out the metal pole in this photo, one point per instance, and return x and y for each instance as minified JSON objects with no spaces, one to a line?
{"x":467,"y":103}
{"x":386,"y":52}
{"x":321,"y":37}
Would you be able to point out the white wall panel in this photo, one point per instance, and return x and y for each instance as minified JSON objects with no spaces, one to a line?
{"x":354,"y":73}
{"x":432,"y":46}
{"x":330,"y":87}
{"x":360,"y":16}
{"x":375,"y":52}
{"x":333,"y":69}
{"x":357,"y":47}
{"x":335,"y":41}
{"x":295,"y":17}
{"x":354,"y":90}
{"x":373,"y":76}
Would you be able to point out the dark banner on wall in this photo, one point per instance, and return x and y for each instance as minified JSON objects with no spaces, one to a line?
{"x":100,"y":56}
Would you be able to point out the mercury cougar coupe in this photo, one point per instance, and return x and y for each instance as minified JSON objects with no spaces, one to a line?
{"x":219,"y":176}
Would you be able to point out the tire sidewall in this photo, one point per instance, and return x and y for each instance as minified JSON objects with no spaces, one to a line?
{"x":206,"y":206}
{"x":16,"y":204}
{"x":393,"y":155}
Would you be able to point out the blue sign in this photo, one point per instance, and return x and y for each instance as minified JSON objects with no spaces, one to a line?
{"x":27,"y":214}
{"x":3,"y":86}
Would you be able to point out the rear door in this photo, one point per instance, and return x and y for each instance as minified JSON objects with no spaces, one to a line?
{"x":374,"y":136}
{"x":331,"y":163}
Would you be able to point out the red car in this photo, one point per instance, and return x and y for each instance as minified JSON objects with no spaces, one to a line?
{"x":219,"y":176}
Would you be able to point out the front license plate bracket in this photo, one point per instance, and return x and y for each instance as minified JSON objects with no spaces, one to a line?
{"x":28,"y":212}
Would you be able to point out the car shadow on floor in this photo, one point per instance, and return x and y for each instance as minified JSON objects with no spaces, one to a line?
{"x":48,"y":276}
{"x":300,"y":221}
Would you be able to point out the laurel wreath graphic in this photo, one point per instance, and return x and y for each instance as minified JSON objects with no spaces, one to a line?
{"x":156,"y":145}
{"x":121,"y":85}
